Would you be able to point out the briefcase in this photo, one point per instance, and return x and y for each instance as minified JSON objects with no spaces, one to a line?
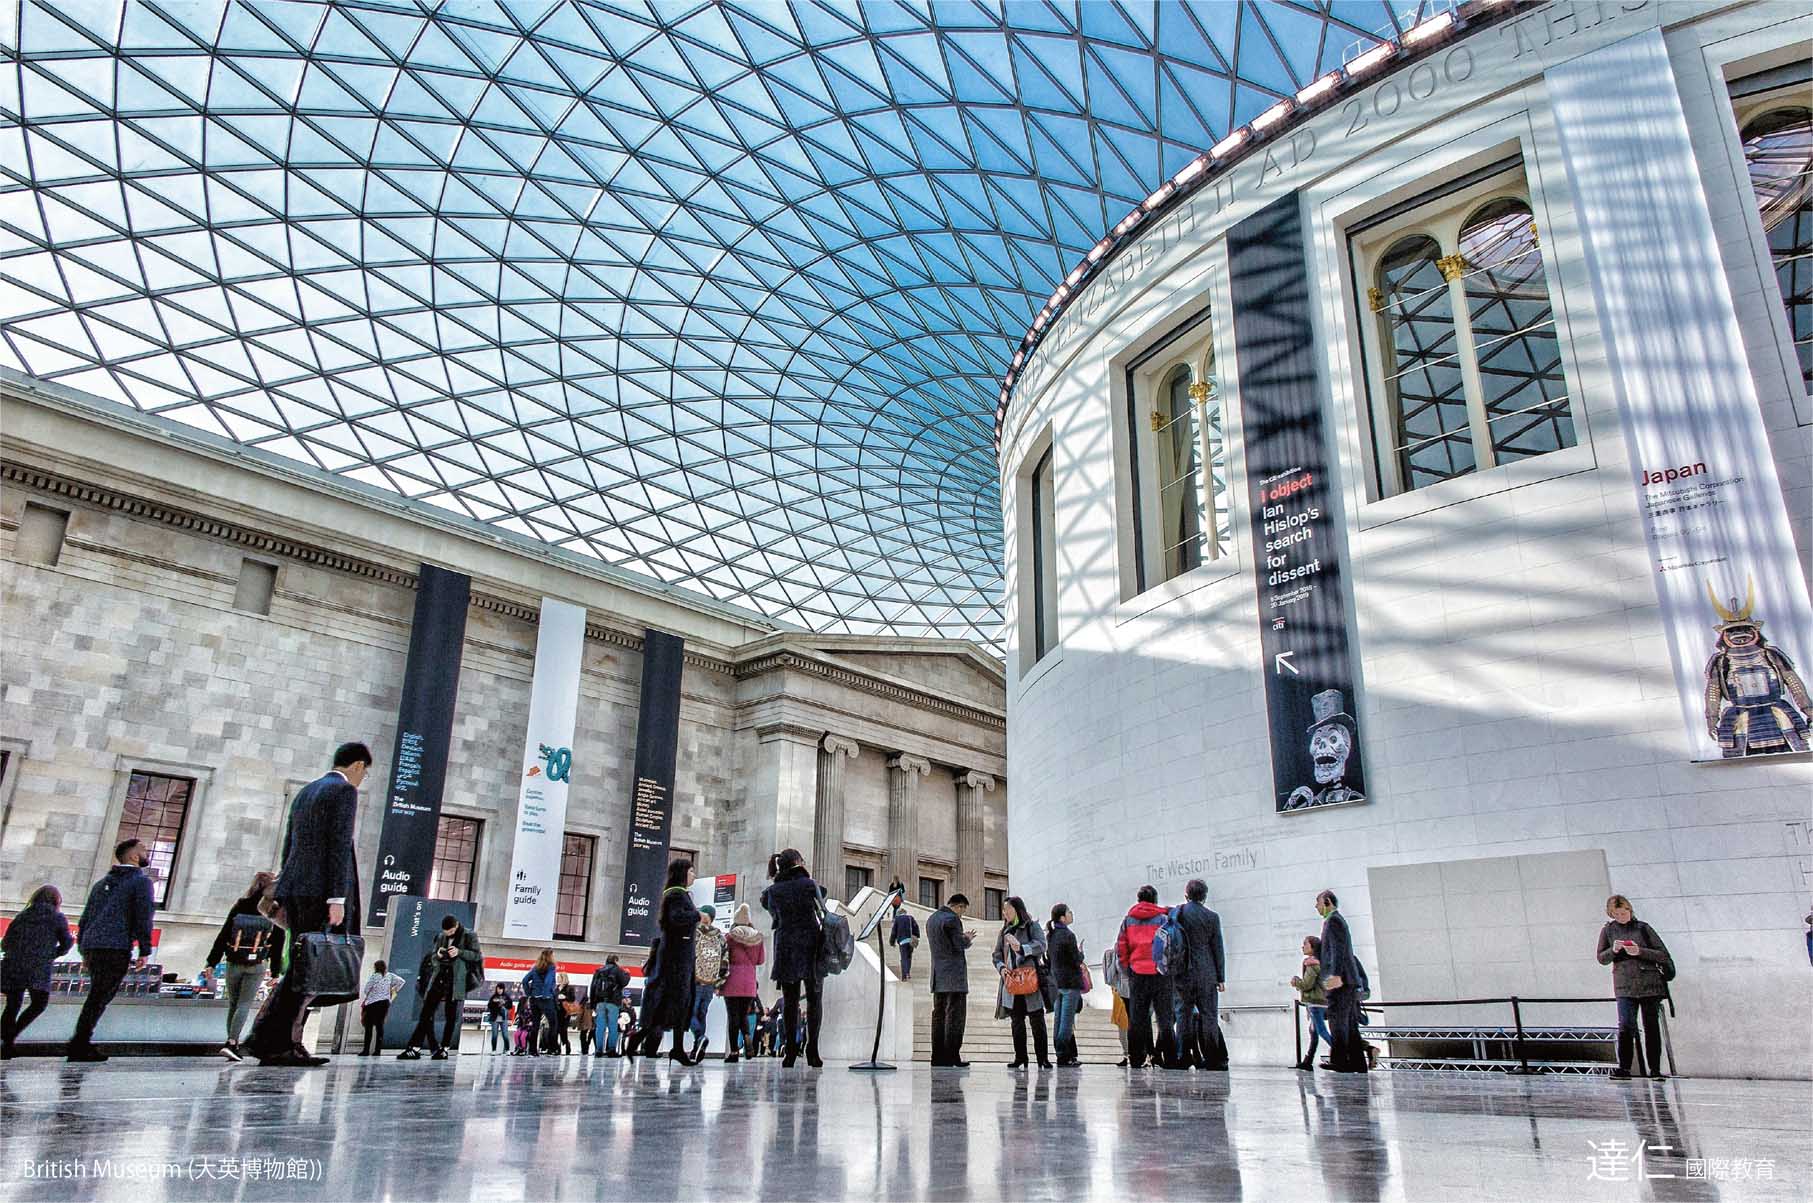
{"x":328,"y":966}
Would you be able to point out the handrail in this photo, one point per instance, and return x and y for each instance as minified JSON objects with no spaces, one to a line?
{"x":1516,"y":1003}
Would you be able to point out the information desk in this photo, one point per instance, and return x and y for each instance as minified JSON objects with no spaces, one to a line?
{"x":133,"y":1025}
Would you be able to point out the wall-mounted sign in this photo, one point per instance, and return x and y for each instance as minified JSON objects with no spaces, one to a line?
{"x":418,"y":766}
{"x":652,"y":789}
{"x":547,"y":768}
{"x":1297,"y":546}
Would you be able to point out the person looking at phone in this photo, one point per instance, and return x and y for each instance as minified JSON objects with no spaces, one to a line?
{"x":1641,"y":970}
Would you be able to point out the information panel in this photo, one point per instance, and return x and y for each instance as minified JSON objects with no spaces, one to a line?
{"x":547,"y":766}
{"x":418,"y":767}
{"x":1297,"y":545}
{"x":651,"y":792}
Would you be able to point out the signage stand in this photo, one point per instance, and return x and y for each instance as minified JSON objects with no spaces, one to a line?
{"x":875,"y":1064}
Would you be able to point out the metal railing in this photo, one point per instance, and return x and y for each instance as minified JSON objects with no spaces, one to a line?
{"x":1519,"y":1038}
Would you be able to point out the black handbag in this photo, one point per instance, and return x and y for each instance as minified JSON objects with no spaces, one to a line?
{"x":327,"y":966}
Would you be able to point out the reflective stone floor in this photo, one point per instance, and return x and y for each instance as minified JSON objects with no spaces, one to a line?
{"x":574,"y":1128}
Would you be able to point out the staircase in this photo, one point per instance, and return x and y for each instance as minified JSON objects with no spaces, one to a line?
{"x":985,"y":1038}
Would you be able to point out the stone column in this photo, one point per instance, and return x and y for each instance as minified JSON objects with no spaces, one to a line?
{"x":904,"y":773}
{"x":834,"y":755}
{"x":970,"y":788}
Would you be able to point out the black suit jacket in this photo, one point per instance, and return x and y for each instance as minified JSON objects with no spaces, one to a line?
{"x":319,"y":860}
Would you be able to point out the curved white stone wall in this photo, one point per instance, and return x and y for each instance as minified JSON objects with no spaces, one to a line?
{"x":1517,"y":695}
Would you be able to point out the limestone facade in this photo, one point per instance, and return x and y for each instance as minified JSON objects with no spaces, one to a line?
{"x":128,"y":653}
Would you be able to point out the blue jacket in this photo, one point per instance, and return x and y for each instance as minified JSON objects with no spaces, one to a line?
{"x":540,"y":983}
{"x":37,"y":936}
{"x":118,"y":914}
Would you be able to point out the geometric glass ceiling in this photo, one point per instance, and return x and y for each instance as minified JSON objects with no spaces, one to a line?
{"x":718,"y":293}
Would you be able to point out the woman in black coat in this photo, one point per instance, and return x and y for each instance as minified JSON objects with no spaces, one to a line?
{"x":38,"y":935}
{"x":795,"y":900}
{"x":667,"y":1004}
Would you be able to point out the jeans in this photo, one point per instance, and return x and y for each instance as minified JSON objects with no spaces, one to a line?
{"x":1318,"y":1030}
{"x":906,"y":959}
{"x":605,"y":1019}
{"x":702,"y":995}
{"x":1199,"y":1024}
{"x":13,"y":1023}
{"x":737,"y":1028}
{"x":1153,"y":999}
{"x":540,"y":1009}
{"x":106,"y":970}
{"x":1650,"y":1011}
{"x":371,"y":1017}
{"x":450,"y":1005}
{"x":242,"y":984}
{"x":1070,"y":1002}
{"x":500,"y":1032}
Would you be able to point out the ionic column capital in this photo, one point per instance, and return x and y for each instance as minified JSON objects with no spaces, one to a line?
{"x":976,"y":779}
{"x":838,"y":745}
{"x":911,"y":764}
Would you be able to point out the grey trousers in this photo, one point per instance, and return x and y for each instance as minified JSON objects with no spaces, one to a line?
{"x":242,"y":982}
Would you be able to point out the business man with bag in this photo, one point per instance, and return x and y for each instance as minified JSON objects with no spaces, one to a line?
{"x":318,"y":889}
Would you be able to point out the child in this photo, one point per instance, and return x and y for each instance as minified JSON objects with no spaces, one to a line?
{"x":1315,"y":998}
{"x":524,"y":1012}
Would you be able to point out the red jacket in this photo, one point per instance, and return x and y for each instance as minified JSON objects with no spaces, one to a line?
{"x":1134,"y":945}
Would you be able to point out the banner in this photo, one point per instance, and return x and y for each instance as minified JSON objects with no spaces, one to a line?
{"x":651,"y":793}
{"x":547,"y":763}
{"x":1721,"y":551}
{"x":418,"y":767}
{"x":411,"y":937}
{"x":1297,"y":546}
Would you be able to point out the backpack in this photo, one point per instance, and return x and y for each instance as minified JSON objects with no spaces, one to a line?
{"x":835,"y":944}
{"x":708,"y":961}
{"x":1170,"y":954}
{"x":1362,"y":984}
{"x":250,"y":940}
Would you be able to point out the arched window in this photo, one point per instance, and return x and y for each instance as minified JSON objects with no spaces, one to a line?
{"x":1778,"y":148}
{"x":1424,"y":384}
{"x":1513,"y":326}
{"x":1180,"y":497}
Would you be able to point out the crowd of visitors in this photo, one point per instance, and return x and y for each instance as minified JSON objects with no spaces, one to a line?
{"x":1165,"y":972}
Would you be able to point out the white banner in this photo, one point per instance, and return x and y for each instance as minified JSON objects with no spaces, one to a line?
{"x":1732,"y":596}
{"x":547,"y":763}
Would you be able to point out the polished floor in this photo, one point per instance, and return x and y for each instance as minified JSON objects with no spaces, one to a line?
{"x":506,"y":1128}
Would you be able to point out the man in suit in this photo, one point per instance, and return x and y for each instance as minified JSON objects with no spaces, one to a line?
{"x":1347,"y":1051}
{"x":318,"y":890}
{"x":950,"y":981}
{"x":1200,"y":984}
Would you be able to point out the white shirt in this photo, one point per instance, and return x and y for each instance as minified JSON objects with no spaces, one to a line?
{"x":380,"y":987}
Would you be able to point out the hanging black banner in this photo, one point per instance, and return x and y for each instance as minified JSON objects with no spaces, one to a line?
{"x":1297,"y":546}
{"x":418,"y":768}
{"x":651,"y":793}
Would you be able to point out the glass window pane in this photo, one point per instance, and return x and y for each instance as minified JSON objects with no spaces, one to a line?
{"x":156,"y":806}
{"x":455,"y":859}
{"x":573,"y":904}
{"x":1425,"y":388}
{"x":1778,"y":147}
{"x":1180,"y":498}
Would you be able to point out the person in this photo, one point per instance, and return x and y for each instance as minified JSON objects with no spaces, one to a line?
{"x":745,"y":952}
{"x":903,"y":935}
{"x":116,"y":919}
{"x":795,"y":902}
{"x":588,"y":1025}
{"x":949,"y":944}
{"x":710,"y":964}
{"x":1021,"y":944}
{"x":1116,"y":977}
{"x":1641,"y":970}
{"x":1314,"y":997}
{"x":1064,"y":953}
{"x":248,"y":943}
{"x":606,"y":995}
{"x":644,"y":1040}
{"x":497,"y":1017}
{"x":38,"y":935}
{"x":1203,"y":979}
{"x":1150,"y":997}
{"x":524,"y":1018}
{"x":539,"y":985}
{"x":667,"y":998}
{"x":317,"y":889}
{"x":448,"y":971}
{"x":776,"y":1039}
{"x":375,"y":997}
{"x":1341,"y":980}
{"x":566,"y":1009}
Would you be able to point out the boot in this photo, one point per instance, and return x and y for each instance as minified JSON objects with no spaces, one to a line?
{"x":1627,"y":1047}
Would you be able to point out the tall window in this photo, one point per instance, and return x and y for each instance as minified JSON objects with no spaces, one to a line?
{"x":1778,"y":148}
{"x":573,"y":905}
{"x":1178,"y":457}
{"x":857,"y":878}
{"x":931,"y":892}
{"x":992,"y":898}
{"x":1044,"y":557}
{"x":156,"y":807}
{"x":455,"y":859}
{"x":1467,"y":373}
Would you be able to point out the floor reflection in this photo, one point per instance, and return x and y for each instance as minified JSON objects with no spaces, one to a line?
{"x":575,"y":1128}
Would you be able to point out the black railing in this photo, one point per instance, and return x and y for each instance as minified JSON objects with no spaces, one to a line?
{"x":1517,"y":1003}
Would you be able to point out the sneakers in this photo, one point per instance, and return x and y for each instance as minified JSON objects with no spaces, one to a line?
{"x":439,"y":1054}
{"x":409,"y":1054}
{"x":230,"y":1050}
{"x":86,"y":1053}
{"x":1617,"y":1075}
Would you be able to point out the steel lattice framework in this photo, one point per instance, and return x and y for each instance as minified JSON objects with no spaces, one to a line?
{"x":719,"y":293}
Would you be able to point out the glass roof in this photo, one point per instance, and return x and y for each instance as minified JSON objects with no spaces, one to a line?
{"x":719,"y":293}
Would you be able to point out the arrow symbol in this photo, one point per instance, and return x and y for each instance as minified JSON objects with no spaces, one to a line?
{"x":1282,"y":661}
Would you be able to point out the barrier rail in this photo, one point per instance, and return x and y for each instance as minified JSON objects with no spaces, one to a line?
{"x":1519,"y":1036}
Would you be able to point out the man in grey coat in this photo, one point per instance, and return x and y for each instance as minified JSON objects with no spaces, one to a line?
{"x":1200,"y":985}
{"x":950,"y":981}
